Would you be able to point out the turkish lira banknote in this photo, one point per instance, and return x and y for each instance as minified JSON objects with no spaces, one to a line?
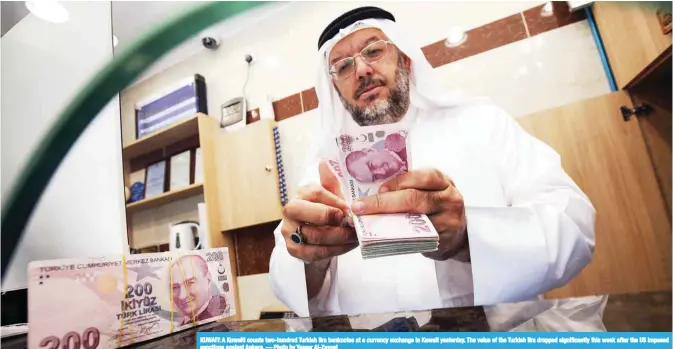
{"x":116,"y":301}
{"x":369,"y":157}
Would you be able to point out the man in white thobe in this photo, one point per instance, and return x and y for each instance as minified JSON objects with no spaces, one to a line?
{"x":512,"y":224}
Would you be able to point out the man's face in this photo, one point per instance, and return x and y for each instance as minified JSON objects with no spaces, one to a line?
{"x":373,"y":165}
{"x":375,"y":93}
{"x":190,"y":287}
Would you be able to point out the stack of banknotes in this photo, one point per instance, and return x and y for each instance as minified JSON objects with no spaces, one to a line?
{"x":121,"y":300}
{"x":368,"y":158}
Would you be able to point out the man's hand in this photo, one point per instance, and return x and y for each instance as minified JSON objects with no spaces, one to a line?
{"x":430,"y":192}
{"x":322,"y":211}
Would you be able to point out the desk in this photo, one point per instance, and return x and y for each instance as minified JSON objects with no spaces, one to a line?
{"x":641,"y":312}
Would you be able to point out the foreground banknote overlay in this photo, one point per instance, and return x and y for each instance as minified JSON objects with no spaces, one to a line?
{"x":120,"y":300}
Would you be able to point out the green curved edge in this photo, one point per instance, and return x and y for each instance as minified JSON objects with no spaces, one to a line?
{"x":120,"y":72}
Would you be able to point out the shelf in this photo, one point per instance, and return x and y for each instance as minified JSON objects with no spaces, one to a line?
{"x":163,"y":138}
{"x":164,"y":198}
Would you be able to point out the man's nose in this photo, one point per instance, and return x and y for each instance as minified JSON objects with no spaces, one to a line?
{"x":362,"y":69}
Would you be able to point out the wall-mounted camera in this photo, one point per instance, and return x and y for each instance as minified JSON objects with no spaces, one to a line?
{"x":210,"y":42}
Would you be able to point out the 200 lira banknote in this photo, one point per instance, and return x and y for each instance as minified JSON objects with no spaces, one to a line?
{"x":369,"y":157}
{"x":115,"y":301}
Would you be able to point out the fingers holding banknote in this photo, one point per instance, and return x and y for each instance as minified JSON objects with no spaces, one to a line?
{"x":321,"y":215}
{"x":425,"y":191}
{"x":429,"y":192}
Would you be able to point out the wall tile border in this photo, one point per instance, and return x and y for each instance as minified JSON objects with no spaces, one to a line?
{"x":287,"y":107}
{"x":485,"y":38}
{"x":309,"y":99}
{"x":249,"y":118}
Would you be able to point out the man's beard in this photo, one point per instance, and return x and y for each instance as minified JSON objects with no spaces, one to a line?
{"x":385,"y":111}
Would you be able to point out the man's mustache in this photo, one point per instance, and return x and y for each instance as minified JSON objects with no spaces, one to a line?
{"x":366,"y":84}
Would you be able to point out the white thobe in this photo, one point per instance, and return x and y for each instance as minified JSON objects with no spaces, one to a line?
{"x":530,"y":227}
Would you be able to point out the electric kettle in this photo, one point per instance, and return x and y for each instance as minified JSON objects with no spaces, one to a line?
{"x":182,"y":236}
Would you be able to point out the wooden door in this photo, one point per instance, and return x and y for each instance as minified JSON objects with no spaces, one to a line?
{"x":655,"y":90}
{"x":247,"y":176}
{"x":607,"y":158}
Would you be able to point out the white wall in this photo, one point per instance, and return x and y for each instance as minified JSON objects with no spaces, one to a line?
{"x":44,"y":65}
{"x":285,"y":48}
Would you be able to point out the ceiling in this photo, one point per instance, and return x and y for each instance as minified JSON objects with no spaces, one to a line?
{"x":130,"y":19}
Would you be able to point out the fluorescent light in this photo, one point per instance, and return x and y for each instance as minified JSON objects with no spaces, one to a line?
{"x":455,"y":37}
{"x":48,"y":10}
{"x":115,"y":41}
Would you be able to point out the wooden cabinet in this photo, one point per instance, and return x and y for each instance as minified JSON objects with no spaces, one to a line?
{"x":148,"y":219}
{"x":655,"y":91}
{"x":607,"y":157}
{"x":632,"y":37}
{"x":247,"y":176}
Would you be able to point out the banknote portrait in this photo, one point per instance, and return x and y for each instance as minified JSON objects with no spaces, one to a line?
{"x":382,"y":161}
{"x":125,"y":299}
{"x":191,"y":285}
